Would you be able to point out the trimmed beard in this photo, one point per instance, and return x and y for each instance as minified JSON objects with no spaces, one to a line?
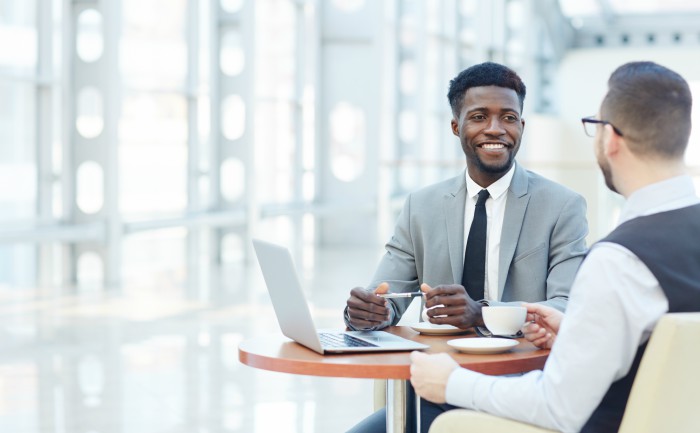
{"x":607,"y":175}
{"x":499,"y":169}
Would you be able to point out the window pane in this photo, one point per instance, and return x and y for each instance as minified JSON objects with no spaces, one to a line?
{"x":89,"y":42}
{"x":17,"y":151}
{"x":233,"y":113}
{"x":90,"y":187}
{"x":231,"y":6}
{"x":153,"y":51}
{"x":90,"y":270}
{"x":408,"y":125}
{"x":18,"y":24}
{"x":153,"y":154}
{"x":349,"y":5}
{"x":89,"y":120}
{"x":17,"y":265}
{"x":275,"y":154}
{"x":232,"y":179}
{"x":408,"y":77}
{"x":275,"y":50}
{"x":348,"y":141}
{"x":232,"y":56}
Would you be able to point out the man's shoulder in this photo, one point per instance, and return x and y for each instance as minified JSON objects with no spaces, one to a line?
{"x":440,"y":189}
{"x":540,"y":185}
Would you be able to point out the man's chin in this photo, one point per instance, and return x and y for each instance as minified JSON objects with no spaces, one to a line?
{"x":607,"y":176}
{"x":611,"y":186}
{"x":496,"y":168}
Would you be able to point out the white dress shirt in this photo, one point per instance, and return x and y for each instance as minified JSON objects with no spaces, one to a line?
{"x":495,"y":212}
{"x":614,"y":304}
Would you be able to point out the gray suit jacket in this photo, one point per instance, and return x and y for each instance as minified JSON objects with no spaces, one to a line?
{"x":542,"y":241}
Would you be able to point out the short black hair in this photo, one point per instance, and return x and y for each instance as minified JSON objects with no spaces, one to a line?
{"x":484,"y":74}
{"x":651,"y":105}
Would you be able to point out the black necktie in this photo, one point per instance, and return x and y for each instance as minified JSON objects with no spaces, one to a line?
{"x":475,"y":253}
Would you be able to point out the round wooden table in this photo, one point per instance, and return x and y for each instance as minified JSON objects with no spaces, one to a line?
{"x":278,"y":353}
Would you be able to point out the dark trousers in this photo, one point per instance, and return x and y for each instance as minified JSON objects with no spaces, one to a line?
{"x":376,"y":423}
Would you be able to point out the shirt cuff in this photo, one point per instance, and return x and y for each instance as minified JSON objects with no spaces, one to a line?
{"x":461,"y":388}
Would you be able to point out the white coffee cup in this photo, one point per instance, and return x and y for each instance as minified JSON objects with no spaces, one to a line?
{"x":504,"y":320}
{"x":424,"y":314}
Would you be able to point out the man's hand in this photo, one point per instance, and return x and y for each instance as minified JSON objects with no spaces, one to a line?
{"x":366,"y":309}
{"x":453,"y":302}
{"x":542,"y":325}
{"x":429,"y":374}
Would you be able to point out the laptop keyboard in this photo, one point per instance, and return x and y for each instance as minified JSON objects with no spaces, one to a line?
{"x":342,"y":340}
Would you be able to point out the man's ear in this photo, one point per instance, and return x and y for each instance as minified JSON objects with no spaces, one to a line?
{"x":611,"y":141}
{"x":455,"y":126}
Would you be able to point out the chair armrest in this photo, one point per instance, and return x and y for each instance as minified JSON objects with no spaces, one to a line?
{"x":462,"y":420}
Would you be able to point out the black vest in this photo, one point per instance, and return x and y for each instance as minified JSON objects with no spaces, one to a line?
{"x":668,"y":243}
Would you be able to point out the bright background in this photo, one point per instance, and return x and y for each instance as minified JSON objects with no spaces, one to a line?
{"x":143,"y":143}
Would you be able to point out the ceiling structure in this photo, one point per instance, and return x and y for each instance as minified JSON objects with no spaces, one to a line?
{"x":631,"y":22}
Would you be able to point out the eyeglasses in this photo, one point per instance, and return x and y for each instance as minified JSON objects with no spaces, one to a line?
{"x":590,"y":128}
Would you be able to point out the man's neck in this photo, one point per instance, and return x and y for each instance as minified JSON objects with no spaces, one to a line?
{"x":643,"y":173}
{"x":484,"y":180}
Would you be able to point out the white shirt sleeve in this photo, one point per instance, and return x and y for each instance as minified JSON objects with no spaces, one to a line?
{"x":615,"y":303}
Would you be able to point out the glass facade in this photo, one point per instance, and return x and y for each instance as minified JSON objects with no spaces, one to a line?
{"x":205,"y":123}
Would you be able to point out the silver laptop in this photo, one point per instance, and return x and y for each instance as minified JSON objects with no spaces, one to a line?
{"x":295,"y":319}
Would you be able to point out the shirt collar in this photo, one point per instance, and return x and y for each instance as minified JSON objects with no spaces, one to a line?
{"x":496,"y":189}
{"x":658,"y":197}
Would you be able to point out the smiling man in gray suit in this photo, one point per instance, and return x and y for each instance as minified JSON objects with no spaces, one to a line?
{"x":535,"y":229}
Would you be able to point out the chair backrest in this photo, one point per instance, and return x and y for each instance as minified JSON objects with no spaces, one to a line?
{"x":666,"y":390}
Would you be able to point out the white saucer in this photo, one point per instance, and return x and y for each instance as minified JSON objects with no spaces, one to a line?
{"x":482,"y":345}
{"x":428,"y":328}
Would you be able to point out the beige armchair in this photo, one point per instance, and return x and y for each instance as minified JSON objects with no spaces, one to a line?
{"x":664,"y":396}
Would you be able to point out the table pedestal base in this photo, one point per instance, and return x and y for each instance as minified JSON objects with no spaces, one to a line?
{"x":396,"y":395}
{"x":395,"y":406}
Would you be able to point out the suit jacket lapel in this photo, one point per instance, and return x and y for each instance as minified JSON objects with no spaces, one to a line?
{"x":516,"y":204}
{"x":454,"y":221}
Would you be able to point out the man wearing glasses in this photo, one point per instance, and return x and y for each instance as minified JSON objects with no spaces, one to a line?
{"x":648,"y":266}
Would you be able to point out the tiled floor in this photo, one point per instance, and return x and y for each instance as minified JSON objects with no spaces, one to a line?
{"x":164,"y":359}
